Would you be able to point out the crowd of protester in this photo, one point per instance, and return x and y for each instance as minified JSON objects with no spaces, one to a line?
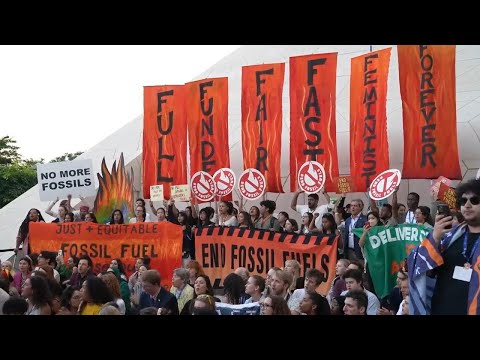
{"x":43,"y":284}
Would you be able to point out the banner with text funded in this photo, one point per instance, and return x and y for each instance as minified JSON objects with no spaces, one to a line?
{"x":386,"y":249}
{"x":313,"y":134}
{"x":220,"y":250}
{"x":368,"y":117}
{"x":427,"y":88}
{"x":164,"y":138}
{"x":162,"y":242}
{"x":262,"y":88}
{"x":207,"y":118}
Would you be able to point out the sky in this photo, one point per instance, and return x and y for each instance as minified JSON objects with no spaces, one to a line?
{"x":67,"y":98}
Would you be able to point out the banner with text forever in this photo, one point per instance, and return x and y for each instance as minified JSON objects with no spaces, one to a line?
{"x":368,"y":117}
{"x":164,"y":138}
{"x":207,"y":118}
{"x":427,"y":87}
{"x":162,"y":242}
{"x":313,"y":134}
{"x":386,"y":248}
{"x":220,"y":250}
{"x":262,"y":87}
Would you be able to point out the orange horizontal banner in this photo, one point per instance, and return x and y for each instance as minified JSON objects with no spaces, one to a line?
{"x":221,"y":250}
{"x":162,"y":242}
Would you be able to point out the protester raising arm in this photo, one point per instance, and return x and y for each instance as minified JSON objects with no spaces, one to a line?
{"x":293,"y":204}
{"x":49,"y":208}
{"x":395,"y":204}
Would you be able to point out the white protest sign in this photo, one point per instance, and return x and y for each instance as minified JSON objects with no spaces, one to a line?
{"x":180,"y":192}
{"x":156,"y":193}
{"x":57,"y":180}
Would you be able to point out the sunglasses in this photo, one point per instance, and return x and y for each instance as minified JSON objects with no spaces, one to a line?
{"x":474,"y":200}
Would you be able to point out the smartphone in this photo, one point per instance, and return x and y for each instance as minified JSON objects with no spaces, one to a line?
{"x":60,"y":253}
{"x":443,"y":209}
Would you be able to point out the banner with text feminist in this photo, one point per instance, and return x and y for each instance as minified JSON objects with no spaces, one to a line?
{"x":207,"y":118}
{"x":164,"y":138}
{"x":313,"y":134}
{"x":427,"y":87}
{"x":162,"y":242}
{"x":368,"y":117}
{"x":386,"y":249}
{"x":262,"y":87}
{"x":220,"y":250}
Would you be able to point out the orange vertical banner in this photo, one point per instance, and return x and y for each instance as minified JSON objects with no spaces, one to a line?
{"x":313,"y":134}
{"x":427,"y":87}
{"x":207,"y":117}
{"x":164,"y":138}
{"x":262,"y":87}
{"x":368,"y":117}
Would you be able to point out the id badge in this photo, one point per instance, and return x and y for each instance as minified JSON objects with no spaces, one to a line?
{"x":462,"y":273}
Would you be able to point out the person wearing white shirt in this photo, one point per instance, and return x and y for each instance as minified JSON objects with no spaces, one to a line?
{"x":412,"y":203}
{"x":354,"y":281}
{"x":312,"y":206}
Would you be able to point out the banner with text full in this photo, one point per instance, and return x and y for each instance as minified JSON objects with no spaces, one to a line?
{"x":59,"y":179}
{"x":220,"y":250}
{"x":162,"y":242}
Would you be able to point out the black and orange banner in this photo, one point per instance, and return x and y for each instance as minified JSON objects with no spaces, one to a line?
{"x":368,"y":117}
{"x":164,"y":138}
{"x":313,"y":134}
{"x":162,"y":242}
{"x":220,"y":250}
{"x":427,"y":87}
{"x":207,"y":117}
{"x":262,"y":87}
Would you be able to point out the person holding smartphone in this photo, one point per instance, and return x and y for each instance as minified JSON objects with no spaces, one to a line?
{"x":448,"y":261}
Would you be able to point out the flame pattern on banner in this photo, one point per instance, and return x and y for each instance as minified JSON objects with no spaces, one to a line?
{"x":115,"y":191}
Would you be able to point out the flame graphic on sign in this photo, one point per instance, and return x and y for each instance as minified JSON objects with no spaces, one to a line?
{"x":115,"y":191}
{"x":252,"y":180}
{"x":225,"y":180}
{"x":203,"y":186}
{"x":312,"y":179}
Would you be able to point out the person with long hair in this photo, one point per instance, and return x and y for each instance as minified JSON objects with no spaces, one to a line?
{"x":202,"y":286}
{"x":38,"y":296}
{"x":291,"y":226}
{"x":254,"y":214}
{"x":204,"y":216}
{"x":140,"y":215}
{"x":90,"y":217}
{"x":245,"y":221}
{"x":112,"y":283}
{"x":95,"y":295}
{"x":25,"y":271}
{"x":70,"y":301}
{"x":188,"y":241}
{"x":307,"y":219}
{"x":274,"y":305}
{"x":225,"y":215}
{"x":314,"y":304}
{"x":234,"y":287}
{"x":116,"y":218}
{"x":22,"y":237}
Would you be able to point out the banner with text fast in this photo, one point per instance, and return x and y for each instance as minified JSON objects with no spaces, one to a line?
{"x":221,"y":250}
{"x":162,"y":242}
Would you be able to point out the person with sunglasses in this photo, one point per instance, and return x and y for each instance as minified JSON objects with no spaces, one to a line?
{"x":448,"y":261}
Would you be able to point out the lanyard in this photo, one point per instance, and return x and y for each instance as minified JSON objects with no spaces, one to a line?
{"x":465,"y":242}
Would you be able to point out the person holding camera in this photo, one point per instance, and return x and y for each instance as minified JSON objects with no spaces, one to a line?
{"x":445,"y":268}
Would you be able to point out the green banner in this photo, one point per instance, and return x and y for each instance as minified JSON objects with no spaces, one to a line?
{"x":386,"y":248}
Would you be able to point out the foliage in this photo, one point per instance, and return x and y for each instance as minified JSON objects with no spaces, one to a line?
{"x":67,"y":157}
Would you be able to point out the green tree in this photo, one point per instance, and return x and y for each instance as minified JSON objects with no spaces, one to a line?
{"x":16,"y":175}
{"x":67,"y":157}
{"x":8,"y":151}
{"x":15,"y":179}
